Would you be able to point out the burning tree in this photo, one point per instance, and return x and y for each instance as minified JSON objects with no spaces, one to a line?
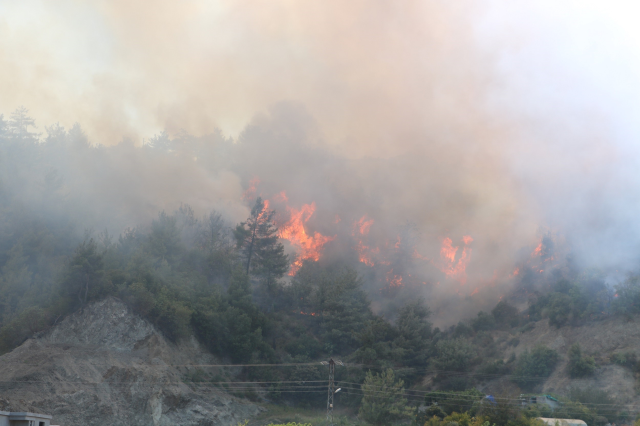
{"x":257,"y":240}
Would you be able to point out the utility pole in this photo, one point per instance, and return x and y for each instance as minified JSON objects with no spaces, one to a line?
{"x":331,"y":391}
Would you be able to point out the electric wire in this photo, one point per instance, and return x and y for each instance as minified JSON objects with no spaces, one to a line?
{"x":414,"y":395}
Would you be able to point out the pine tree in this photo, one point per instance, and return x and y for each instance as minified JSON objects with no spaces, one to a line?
{"x":84,"y":276}
{"x":383,"y":401}
{"x":19,"y":124}
{"x":257,"y":240}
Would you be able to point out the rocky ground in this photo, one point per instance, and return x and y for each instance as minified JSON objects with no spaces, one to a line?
{"x":107,"y":366}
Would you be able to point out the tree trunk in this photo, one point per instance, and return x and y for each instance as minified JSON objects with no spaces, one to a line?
{"x":253,"y":238}
{"x":86,"y":291}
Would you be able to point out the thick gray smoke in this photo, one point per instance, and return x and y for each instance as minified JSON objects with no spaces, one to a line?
{"x":437,"y":147}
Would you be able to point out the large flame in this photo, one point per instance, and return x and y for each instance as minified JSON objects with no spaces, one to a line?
{"x":308,"y":246}
{"x":452,"y":266}
{"x":361,"y":229}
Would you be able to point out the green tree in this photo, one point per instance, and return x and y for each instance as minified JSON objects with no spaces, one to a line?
{"x":533,"y":367}
{"x":257,"y":240}
{"x":450,"y":401}
{"x":163,"y":242}
{"x":454,"y":355}
{"x":578,"y":365}
{"x":19,"y":124}
{"x":84,"y":277}
{"x":243,"y":320}
{"x":505,"y":314}
{"x":337,"y":298}
{"x":375,"y":342}
{"x":414,"y":332}
{"x":3,"y":125}
{"x":383,"y":401}
{"x":484,"y":321}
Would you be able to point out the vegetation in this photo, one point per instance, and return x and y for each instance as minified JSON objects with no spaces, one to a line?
{"x":223,"y":283}
{"x":579,"y":365}
{"x":383,"y":402}
{"x":534,"y":366}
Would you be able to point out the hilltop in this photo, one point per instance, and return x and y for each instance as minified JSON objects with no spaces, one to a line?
{"x":105,"y":365}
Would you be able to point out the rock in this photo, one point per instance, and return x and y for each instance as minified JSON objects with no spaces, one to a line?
{"x":106,"y":365}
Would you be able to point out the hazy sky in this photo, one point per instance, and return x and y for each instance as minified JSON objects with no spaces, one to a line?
{"x":136,"y":67}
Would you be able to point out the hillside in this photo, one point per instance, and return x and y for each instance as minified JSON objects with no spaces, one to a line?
{"x":600,"y":339}
{"x":105,"y":365}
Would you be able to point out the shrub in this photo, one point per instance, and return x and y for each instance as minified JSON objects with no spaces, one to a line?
{"x":625,"y":359}
{"x":505,"y":314}
{"x":462,"y":330}
{"x":533,"y":367}
{"x":484,"y":321}
{"x":495,"y":368}
{"x":453,"y":401}
{"x":454,"y":355}
{"x":383,"y":402}
{"x":603,"y":403}
{"x":559,"y":309}
{"x":579,"y":366}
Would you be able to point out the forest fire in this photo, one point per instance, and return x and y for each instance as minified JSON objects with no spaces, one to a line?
{"x":452,"y":268}
{"x":452,"y":261}
{"x":364,"y":253}
{"x":362,"y":226}
{"x":394,"y":281}
{"x":250,"y":193}
{"x":361,"y":229}
{"x":308,"y":246}
{"x":537,"y":251}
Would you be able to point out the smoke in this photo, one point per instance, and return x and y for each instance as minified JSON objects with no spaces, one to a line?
{"x":466,"y":132}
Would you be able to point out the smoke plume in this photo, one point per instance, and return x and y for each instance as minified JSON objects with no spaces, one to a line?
{"x":440,"y":148}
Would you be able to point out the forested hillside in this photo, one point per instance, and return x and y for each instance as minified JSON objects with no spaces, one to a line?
{"x":226,"y":284}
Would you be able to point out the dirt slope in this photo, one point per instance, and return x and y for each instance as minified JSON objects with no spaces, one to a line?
{"x":107,"y":366}
{"x":600,"y":339}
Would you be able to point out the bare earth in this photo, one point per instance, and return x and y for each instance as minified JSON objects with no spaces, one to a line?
{"x":599,"y":339}
{"x":107,"y":366}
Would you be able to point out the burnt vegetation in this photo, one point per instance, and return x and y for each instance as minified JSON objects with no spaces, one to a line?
{"x":223,"y":283}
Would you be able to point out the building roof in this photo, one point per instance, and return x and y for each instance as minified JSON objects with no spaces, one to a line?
{"x":562,"y":422}
{"x":24,"y":415}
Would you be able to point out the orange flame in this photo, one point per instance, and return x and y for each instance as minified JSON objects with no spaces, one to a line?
{"x":265,"y":211}
{"x":365,"y":254}
{"x":417,"y":255}
{"x":447,"y":251}
{"x":309,"y":247}
{"x":448,"y":264}
{"x":395,"y":281}
{"x":363,"y":226}
{"x":537,"y":251}
{"x":281,"y":197}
